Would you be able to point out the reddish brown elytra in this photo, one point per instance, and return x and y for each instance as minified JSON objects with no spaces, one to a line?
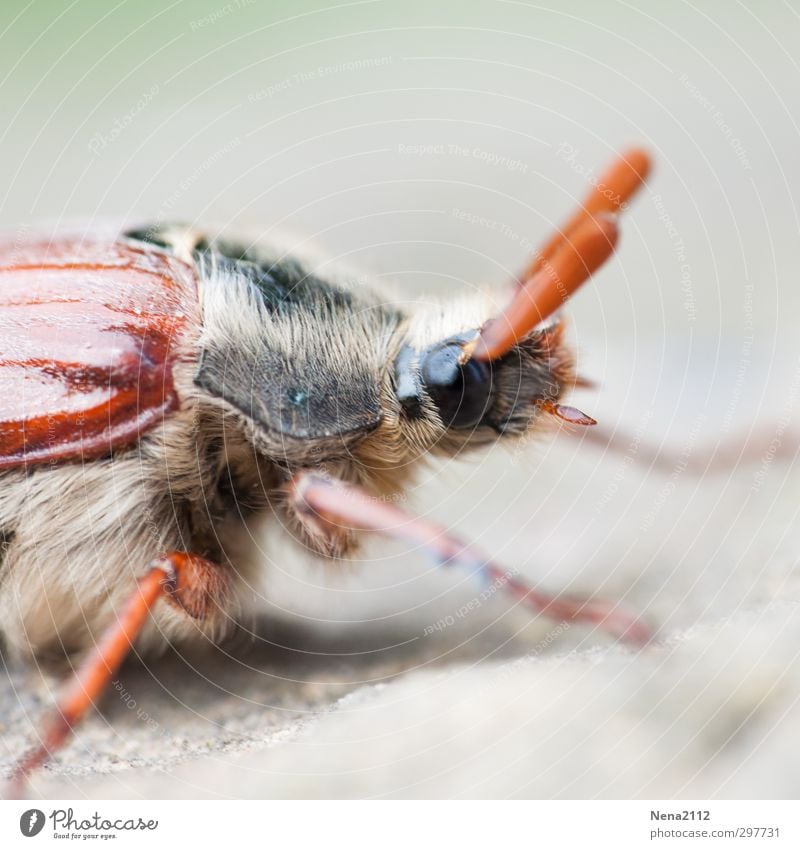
{"x":81,"y":371}
{"x":160,"y":387}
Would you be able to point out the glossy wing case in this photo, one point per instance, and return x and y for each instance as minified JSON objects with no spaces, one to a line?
{"x":90,"y":330}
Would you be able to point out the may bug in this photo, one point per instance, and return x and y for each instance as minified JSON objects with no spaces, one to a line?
{"x":158,"y":387}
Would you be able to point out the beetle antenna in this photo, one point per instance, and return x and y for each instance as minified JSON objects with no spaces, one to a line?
{"x":610,"y":193}
{"x":574,"y":262}
{"x":571,"y":255}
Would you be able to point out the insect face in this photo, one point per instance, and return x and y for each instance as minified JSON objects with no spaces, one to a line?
{"x":318,"y":373}
{"x":323,"y":372}
{"x":469,"y":400}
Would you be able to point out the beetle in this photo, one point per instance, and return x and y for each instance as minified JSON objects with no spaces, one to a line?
{"x":158,"y":387}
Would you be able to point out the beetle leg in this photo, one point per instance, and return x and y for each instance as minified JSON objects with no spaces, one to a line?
{"x":609,"y":193}
{"x":763,"y":445}
{"x":185,"y":580}
{"x":323,"y":501}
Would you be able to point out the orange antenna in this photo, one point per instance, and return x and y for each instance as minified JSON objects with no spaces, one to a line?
{"x":609,"y":193}
{"x":591,"y":244}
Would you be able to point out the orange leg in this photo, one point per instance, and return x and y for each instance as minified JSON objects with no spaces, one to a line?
{"x":322,"y":501}
{"x":185,"y":580}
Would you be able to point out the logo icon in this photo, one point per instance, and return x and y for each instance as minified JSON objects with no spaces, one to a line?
{"x":31,"y":822}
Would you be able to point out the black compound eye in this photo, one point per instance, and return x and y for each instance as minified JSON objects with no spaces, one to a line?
{"x":462,"y":392}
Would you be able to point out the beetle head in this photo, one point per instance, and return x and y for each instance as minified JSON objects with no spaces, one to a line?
{"x":450,"y":401}
{"x":322,"y":372}
{"x":500,"y":374}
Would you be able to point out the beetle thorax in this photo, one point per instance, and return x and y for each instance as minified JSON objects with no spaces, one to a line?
{"x":301,"y":362}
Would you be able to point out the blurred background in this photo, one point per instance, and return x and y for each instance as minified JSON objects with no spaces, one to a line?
{"x":435,"y":145}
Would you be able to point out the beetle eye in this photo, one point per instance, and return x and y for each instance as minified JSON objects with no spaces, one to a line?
{"x":462,"y":392}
